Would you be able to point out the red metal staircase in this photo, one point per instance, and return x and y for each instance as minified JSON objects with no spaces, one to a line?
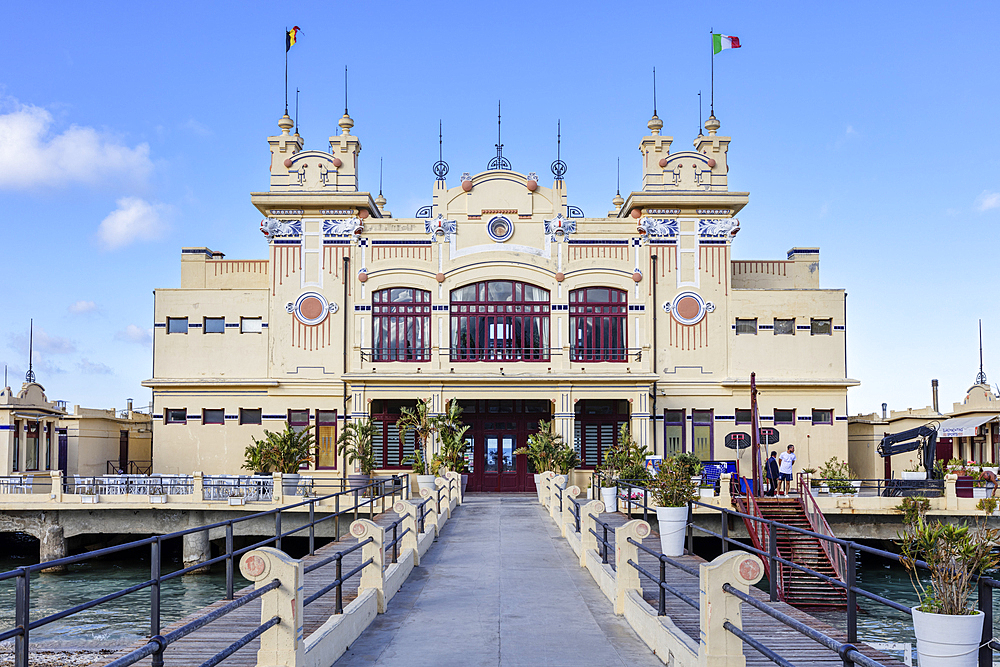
{"x":794,"y":586}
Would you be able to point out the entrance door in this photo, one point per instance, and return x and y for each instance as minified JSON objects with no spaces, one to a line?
{"x":500,"y":469}
{"x":123,"y":451}
{"x":63,"y":452}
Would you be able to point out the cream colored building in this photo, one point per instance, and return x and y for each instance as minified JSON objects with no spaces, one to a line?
{"x":100,"y":442}
{"x":502,"y":294}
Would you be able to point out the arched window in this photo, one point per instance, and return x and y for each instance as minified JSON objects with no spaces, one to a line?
{"x":598,"y":324}
{"x":500,"y":320}
{"x":401,"y":325}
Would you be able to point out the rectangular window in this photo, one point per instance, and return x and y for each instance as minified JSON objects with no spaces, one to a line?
{"x":215,"y":325}
{"x":784,"y":416}
{"x":251,"y":325}
{"x":213,"y":416}
{"x":596,"y":428}
{"x":746,"y":327}
{"x":48,"y":449}
{"x":299,"y":419}
{"x":702,"y":429}
{"x":673,"y":432}
{"x":17,"y":447}
{"x":784,"y":327}
{"x":326,"y":439}
{"x":176,"y":415}
{"x":177,"y":325}
{"x":822,"y":416}
{"x":389,"y":448}
{"x":820,"y":327}
{"x":250,"y":416}
{"x":743,"y":416}
{"x":500,"y":321}
{"x":31,"y":447}
{"x":401,"y":325}
{"x":598,"y":326}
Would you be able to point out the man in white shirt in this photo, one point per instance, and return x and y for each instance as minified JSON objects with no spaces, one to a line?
{"x":785,"y":462}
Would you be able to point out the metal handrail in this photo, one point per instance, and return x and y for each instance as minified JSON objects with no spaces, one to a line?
{"x":604,"y":541}
{"x":819,"y":524}
{"x":379,"y":489}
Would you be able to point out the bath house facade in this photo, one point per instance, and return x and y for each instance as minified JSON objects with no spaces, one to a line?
{"x":502,"y":294}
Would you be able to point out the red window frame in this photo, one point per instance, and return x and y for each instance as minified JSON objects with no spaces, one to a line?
{"x":489,"y":320}
{"x":401,"y":328}
{"x":326,"y":418}
{"x":598,"y":324}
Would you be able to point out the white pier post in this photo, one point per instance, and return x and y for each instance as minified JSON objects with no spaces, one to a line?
{"x":373,"y":575}
{"x":626,"y":576}
{"x":719,"y":647}
{"x":280,"y":646}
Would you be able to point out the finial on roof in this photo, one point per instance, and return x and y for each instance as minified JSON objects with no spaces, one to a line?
{"x":499,"y":162}
{"x":285,"y":123}
{"x":618,"y":201}
{"x":440,"y":167}
{"x":380,"y":200}
{"x":30,"y":375}
{"x":654,"y":124}
{"x":558,"y":167}
{"x":712,"y":125}
{"x":981,"y":377}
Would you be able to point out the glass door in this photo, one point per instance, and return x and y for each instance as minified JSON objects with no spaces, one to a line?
{"x":499,"y":470}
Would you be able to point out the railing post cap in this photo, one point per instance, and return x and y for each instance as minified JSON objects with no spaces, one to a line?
{"x":365,"y":528}
{"x":573,"y":491}
{"x":746,"y":568}
{"x":635,"y":528}
{"x":548,"y":474}
{"x":425,"y":493}
{"x":256,"y":565}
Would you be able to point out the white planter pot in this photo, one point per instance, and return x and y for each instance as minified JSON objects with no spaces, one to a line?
{"x":89,"y":500}
{"x":673,"y":522}
{"x":289,"y":484}
{"x":425,"y":482}
{"x":157,"y":500}
{"x":947,"y":641}
{"x":609,"y":496}
{"x":706,"y":493}
{"x":237,"y":501}
{"x":909,"y":474}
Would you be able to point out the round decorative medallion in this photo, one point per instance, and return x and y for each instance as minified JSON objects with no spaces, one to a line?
{"x":560,"y":277}
{"x":642,"y":530}
{"x":663,"y":162}
{"x":750,"y":570}
{"x":363,"y":276}
{"x":500,"y":228}
{"x":636,"y":213}
{"x":311,"y":308}
{"x":440,"y":277}
{"x":358,"y":529}
{"x":338,"y":163}
{"x":637,"y":276}
{"x":467,"y":186}
{"x":399,"y":508}
{"x":287,"y":162}
{"x":254,"y":566}
{"x":688,"y":308}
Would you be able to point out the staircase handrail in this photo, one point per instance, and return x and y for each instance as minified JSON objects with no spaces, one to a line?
{"x":760,"y":536}
{"x":818,"y":524}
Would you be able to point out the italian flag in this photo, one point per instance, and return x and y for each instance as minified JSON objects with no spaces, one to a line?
{"x":720,"y":42}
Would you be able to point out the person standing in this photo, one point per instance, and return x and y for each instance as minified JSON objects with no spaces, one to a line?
{"x":785,"y":462}
{"x":771,"y":468}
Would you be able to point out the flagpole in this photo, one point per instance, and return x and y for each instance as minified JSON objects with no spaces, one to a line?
{"x":286,"y":70}
{"x":712,"y":103}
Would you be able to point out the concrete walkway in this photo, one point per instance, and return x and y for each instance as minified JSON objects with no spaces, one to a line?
{"x":501,"y":588}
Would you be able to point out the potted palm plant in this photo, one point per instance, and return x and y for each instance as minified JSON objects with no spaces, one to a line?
{"x":454,"y":445}
{"x":284,"y":452}
{"x":541,"y":450}
{"x":356,"y":443}
{"x":418,"y":421}
{"x":948,"y":629}
{"x":672,"y":489}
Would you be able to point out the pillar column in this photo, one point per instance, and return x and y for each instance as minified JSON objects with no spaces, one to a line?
{"x":197,"y":548}
{"x":52,"y":546}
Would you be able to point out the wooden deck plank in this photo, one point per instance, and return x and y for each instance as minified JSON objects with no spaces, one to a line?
{"x":199,"y":646}
{"x":787,"y":642}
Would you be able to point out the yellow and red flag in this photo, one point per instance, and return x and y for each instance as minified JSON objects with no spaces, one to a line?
{"x":290,"y":38}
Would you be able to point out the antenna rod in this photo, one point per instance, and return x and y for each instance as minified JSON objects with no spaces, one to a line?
{"x":981,"y":378}
{"x":699,"y":113}
{"x":30,"y":375}
{"x":440,"y":142}
{"x":619,"y":189}
{"x":296,"y":110}
{"x":498,"y":122}
{"x":345,"y":90}
{"x":380,"y":177}
{"x":286,"y":71}
{"x":559,"y":139}
{"x":654,"y":91}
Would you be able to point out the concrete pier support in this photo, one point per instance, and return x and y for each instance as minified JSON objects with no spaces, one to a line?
{"x":197,"y":548}
{"x":52,"y":546}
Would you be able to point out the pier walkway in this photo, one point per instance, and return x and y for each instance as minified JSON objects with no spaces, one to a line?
{"x":507,"y":589}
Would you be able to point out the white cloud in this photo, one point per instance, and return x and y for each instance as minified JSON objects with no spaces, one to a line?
{"x":134,"y":334}
{"x":43,"y":342}
{"x":134,"y":220}
{"x":83,"y":307}
{"x":987,"y":201}
{"x":94,"y":367}
{"x":31,"y":155}
{"x":196,"y":127}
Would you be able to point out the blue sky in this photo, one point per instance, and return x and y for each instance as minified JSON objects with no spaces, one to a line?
{"x":133,"y":129}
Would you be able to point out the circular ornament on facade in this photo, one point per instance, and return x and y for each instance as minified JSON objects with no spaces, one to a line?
{"x":637,"y":276}
{"x":500,"y":228}
{"x":467,"y":186}
{"x":663,"y":162}
{"x":362,"y":276}
{"x":338,"y":163}
{"x":532,"y":186}
{"x":711,"y":162}
{"x":560,"y":277}
{"x":311,"y":308}
{"x":440,"y":277}
{"x":253,"y":565}
{"x":287,"y":162}
{"x":358,"y":529}
{"x":636,"y":213}
{"x":688,"y":308}
{"x":363,"y":213}
{"x":642,"y":530}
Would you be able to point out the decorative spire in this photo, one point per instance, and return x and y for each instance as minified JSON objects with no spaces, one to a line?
{"x":699,"y":114}
{"x":558,"y":166}
{"x":30,"y":375}
{"x":981,"y":377}
{"x":712,"y":125}
{"x":440,"y":167}
{"x":654,"y":124}
{"x":499,"y":162}
{"x":345,"y":123}
{"x":618,"y":201}
{"x":380,"y":200}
